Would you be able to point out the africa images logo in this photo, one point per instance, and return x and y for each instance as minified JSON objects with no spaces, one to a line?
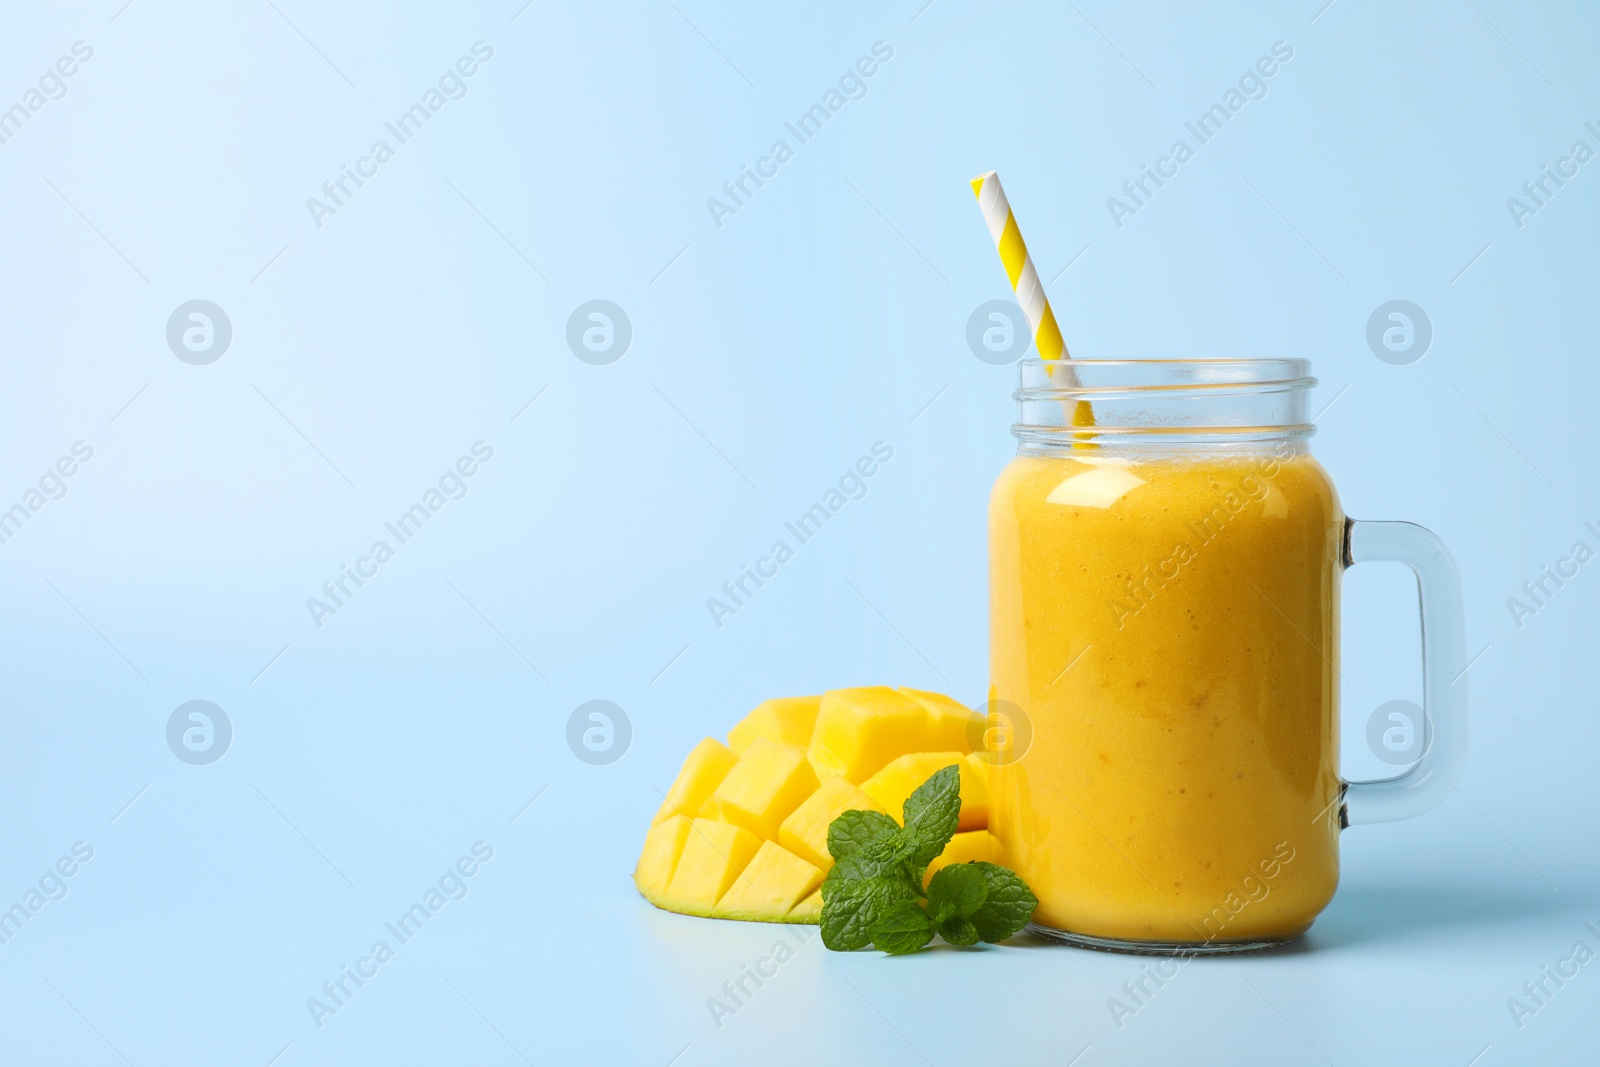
{"x":199,"y":732}
{"x":199,"y":332}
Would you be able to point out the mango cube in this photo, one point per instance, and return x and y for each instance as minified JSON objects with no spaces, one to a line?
{"x":894,"y":783}
{"x":805,"y":832}
{"x":952,"y":726}
{"x":786,"y":720}
{"x":860,"y":730}
{"x":662,"y":847}
{"x":808,"y":910}
{"x":713,"y":856}
{"x":963,"y":848}
{"x":702,"y":772}
{"x":765,"y":786}
{"x":771,"y":885}
{"x":978,"y":763}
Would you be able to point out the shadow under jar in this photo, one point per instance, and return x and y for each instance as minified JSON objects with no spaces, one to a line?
{"x":1164,"y":656}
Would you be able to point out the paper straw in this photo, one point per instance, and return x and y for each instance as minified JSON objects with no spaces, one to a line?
{"x":1007,"y":237}
{"x":1019,"y":266}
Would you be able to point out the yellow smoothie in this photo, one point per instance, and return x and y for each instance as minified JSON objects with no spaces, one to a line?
{"x":1169,"y":627}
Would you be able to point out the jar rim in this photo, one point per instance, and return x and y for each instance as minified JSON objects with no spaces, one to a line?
{"x":1298,"y":361}
{"x":1167,"y":402}
{"x":1167,"y":372}
{"x":1091,"y":378}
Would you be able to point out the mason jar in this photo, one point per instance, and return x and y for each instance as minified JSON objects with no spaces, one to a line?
{"x":1165,"y":564}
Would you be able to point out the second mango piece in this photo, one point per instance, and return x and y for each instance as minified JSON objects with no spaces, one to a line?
{"x":769,"y":781}
{"x":893,"y":784}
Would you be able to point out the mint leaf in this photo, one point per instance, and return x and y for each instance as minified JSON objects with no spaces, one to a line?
{"x":961,"y":886}
{"x":901,"y":928}
{"x":1008,"y":903}
{"x":854,"y":830}
{"x":932,"y":814}
{"x":960,"y":932}
{"x":855,"y":867}
{"x":885,"y":857}
{"x":851,"y":906}
{"x":870,"y":896}
{"x":935,"y":803}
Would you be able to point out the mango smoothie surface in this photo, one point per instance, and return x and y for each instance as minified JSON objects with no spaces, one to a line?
{"x":1166,"y":627}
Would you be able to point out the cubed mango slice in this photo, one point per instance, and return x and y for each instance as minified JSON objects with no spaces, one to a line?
{"x":808,"y":910}
{"x":662,"y":847}
{"x":770,"y":886}
{"x":805,"y":832}
{"x":894,"y":783}
{"x":713,"y":856}
{"x":786,"y":720}
{"x":860,"y":730}
{"x":743,"y":832}
{"x":952,"y":726}
{"x":964,"y":848}
{"x":765,"y":786}
{"x":702,"y":772}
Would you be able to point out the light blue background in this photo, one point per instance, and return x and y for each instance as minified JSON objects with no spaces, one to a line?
{"x":768,"y":354}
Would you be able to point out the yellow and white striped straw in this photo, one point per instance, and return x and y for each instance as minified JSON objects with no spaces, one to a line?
{"x":1019,"y":266}
{"x":1025,"y":282}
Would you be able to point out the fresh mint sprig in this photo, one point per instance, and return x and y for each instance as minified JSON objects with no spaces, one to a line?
{"x":874,"y":895}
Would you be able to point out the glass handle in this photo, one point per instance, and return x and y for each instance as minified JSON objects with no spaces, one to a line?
{"x":1444,"y":686}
